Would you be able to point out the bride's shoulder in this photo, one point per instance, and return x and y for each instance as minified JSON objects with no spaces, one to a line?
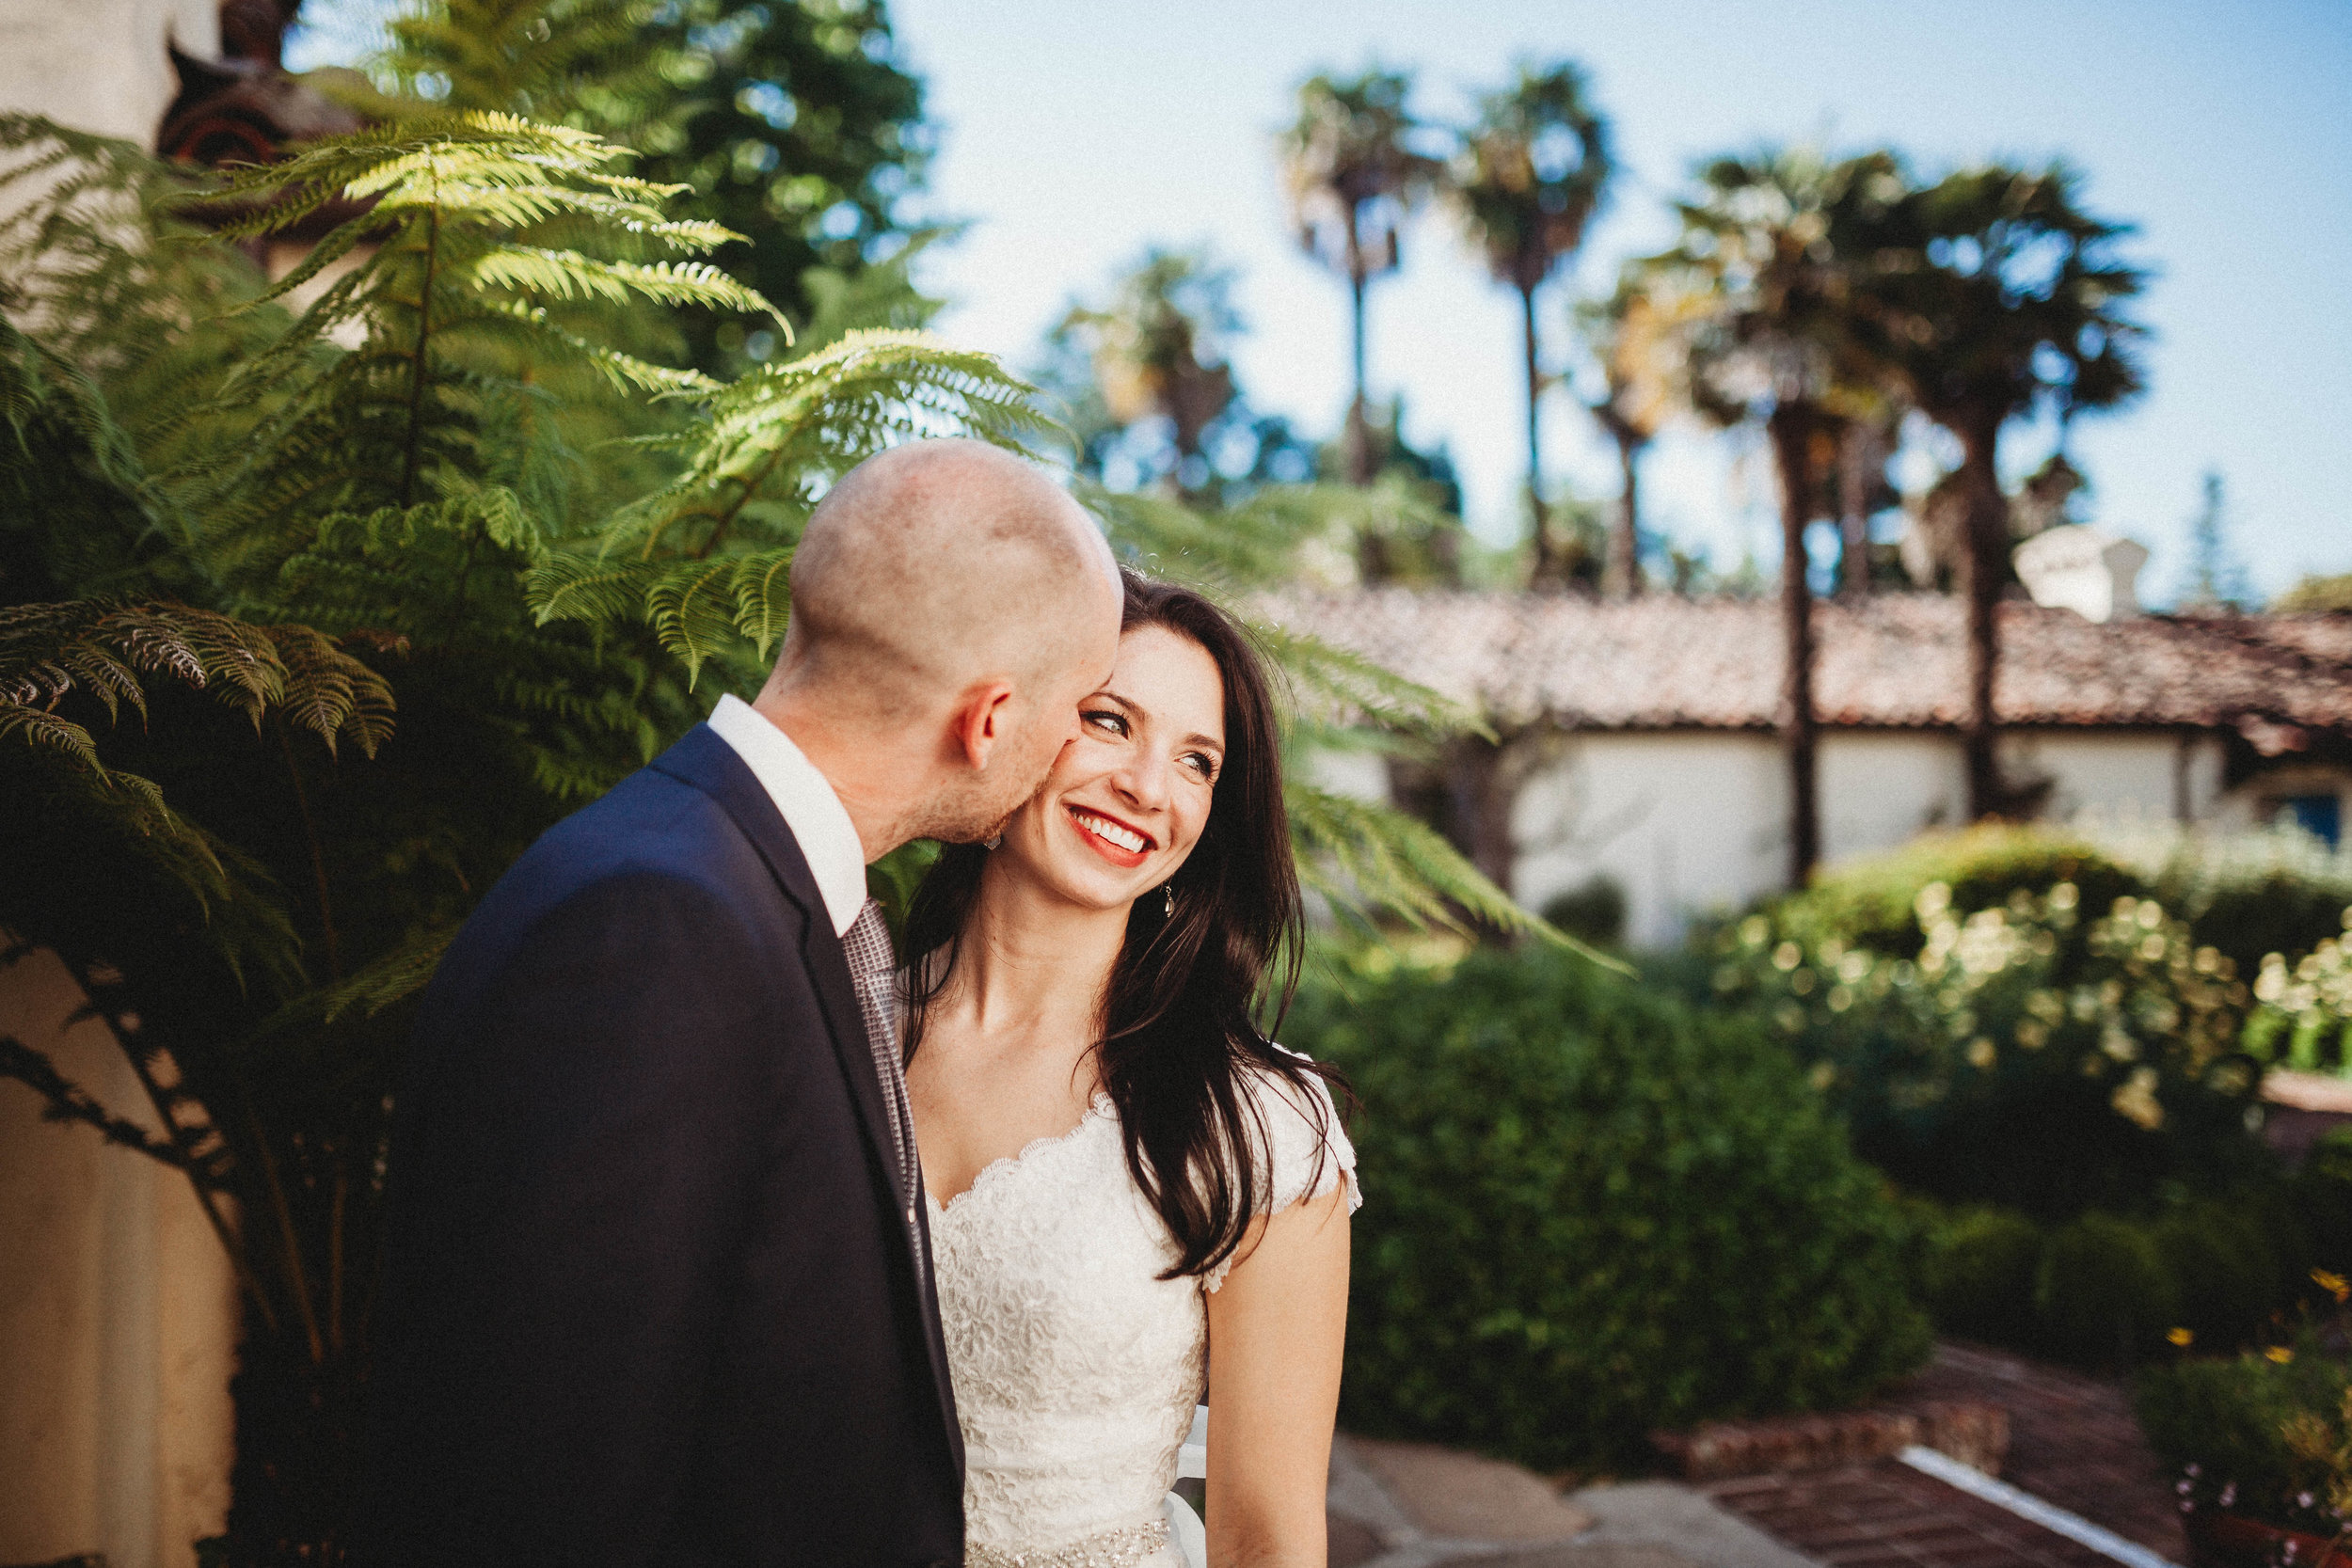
{"x":1299,"y":1147}
{"x":1307,"y":1152}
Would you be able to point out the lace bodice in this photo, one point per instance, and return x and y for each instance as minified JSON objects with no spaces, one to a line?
{"x":1076,"y":1369}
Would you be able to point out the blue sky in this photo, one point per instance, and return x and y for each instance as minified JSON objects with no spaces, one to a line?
{"x":1074,"y":134}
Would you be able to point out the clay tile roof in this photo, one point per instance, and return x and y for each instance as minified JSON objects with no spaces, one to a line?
{"x":1895,"y":660}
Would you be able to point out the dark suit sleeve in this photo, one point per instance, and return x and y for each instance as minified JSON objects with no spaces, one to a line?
{"x":582,"y":1175}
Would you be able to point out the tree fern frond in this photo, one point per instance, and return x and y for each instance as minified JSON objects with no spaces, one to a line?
{"x":624,"y":372}
{"x":590,"y":588}
{"x":395,"y":977}
{"x":567,"y":275}
{"x":42,"y":728}
{"x":329,"y":692}
{"x":783,"y":427}
{"x":1345,"y":689}
{"x":1370,"y":858}
{"x":51,"y":651}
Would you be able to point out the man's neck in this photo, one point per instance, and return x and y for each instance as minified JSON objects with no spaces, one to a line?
{"x":870,"y":785}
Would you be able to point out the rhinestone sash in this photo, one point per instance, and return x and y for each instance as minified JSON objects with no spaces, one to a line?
{"x":1112,"y":1549}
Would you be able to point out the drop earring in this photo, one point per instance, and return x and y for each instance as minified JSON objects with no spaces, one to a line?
{"x":992,"y":841}
{"x":1169,"y":890}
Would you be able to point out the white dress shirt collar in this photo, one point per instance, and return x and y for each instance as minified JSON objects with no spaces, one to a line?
{"x":828,"y":838}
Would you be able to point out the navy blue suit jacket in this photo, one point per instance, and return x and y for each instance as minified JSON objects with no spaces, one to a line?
{"x":650,"y":1292}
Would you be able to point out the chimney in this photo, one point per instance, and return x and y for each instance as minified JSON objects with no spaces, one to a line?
{"x":2079,"y":568}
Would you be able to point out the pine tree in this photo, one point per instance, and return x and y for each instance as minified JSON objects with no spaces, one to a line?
{"x":2216,"y":580}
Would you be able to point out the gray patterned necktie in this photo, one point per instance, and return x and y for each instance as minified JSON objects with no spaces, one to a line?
{"x":873,"y":971}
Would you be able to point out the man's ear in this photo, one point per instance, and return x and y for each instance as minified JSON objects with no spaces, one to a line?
{"x":981,"y":721}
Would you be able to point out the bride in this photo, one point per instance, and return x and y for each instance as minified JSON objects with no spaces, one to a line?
{"x":1138,"y":1201}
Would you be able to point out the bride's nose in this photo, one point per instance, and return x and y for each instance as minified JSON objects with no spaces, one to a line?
{"x":1144,"y":780}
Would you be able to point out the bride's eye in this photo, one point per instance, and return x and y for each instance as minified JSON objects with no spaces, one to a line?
{"x":1103,"y":719}
{"x":1202,"y":764}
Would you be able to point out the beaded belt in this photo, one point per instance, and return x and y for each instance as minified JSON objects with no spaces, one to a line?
{"x":1113,"y":1548}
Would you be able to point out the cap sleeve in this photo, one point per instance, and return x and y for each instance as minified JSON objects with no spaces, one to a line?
{"x":1307,"y":1155}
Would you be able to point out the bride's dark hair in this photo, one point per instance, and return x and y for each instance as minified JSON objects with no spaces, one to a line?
{"x":1181,"y":1043}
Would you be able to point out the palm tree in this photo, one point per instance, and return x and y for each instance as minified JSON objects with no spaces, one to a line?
{"x":1773,"y":278}
{"x":1353,"y":174}
{"x":2013,"y":304}
{"x":1634,"y":339}
{"x":1156,"y":352}
{"x":1528,"y":178}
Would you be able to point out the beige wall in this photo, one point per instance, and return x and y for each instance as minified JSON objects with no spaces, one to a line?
{"x":118,"y":1317}
{"x":99,"y":65}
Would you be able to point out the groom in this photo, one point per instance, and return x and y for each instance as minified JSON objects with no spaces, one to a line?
{"x":657,"y":1275}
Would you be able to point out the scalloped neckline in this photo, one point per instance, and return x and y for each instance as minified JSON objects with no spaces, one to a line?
{"x":1006,"y":1165}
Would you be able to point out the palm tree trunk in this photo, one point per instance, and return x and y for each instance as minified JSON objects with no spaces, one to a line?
{"x":1546,"y":570}
{"x":1358,"y":436}
{"x":1481,"y":787}
{"x":1372,"y":551}
{"x":1621,"y":575}
{"x":1858,"y":451}
{"x":1790,"y":429}
{"x":1983,"y":573}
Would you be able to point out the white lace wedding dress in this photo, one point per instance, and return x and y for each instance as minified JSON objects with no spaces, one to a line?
{"x":1076,"y":1369}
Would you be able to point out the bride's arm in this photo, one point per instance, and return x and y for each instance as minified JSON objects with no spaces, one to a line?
{"x":1276,"y":1330}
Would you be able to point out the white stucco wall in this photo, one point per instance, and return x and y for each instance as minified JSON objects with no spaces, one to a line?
{"x":1683,"y":822}
{"x":2117,"y":776}
{"x":99,"y":65}
{"x":1693,"y":822}
{"x":1879,"y":789}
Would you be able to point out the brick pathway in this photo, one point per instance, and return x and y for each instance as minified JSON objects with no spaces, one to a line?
{"x":2073,"y":1442}
{"x":1885,"y":1514}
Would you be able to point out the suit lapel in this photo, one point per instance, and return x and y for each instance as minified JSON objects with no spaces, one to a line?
{"x":711,"y":765}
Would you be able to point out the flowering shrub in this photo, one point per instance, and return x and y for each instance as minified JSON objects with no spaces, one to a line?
{"x":2258,"y":1435}
{"x":2033,"y":1052}
{"x":2304,"y":1019}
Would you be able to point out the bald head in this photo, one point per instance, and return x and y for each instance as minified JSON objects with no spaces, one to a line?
{"x":942,"y":563}
{"x":937,"y":570}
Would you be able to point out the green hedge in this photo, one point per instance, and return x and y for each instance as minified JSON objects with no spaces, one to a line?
{"x":2109,"y":1291}
{"x":1592,"y":1212}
